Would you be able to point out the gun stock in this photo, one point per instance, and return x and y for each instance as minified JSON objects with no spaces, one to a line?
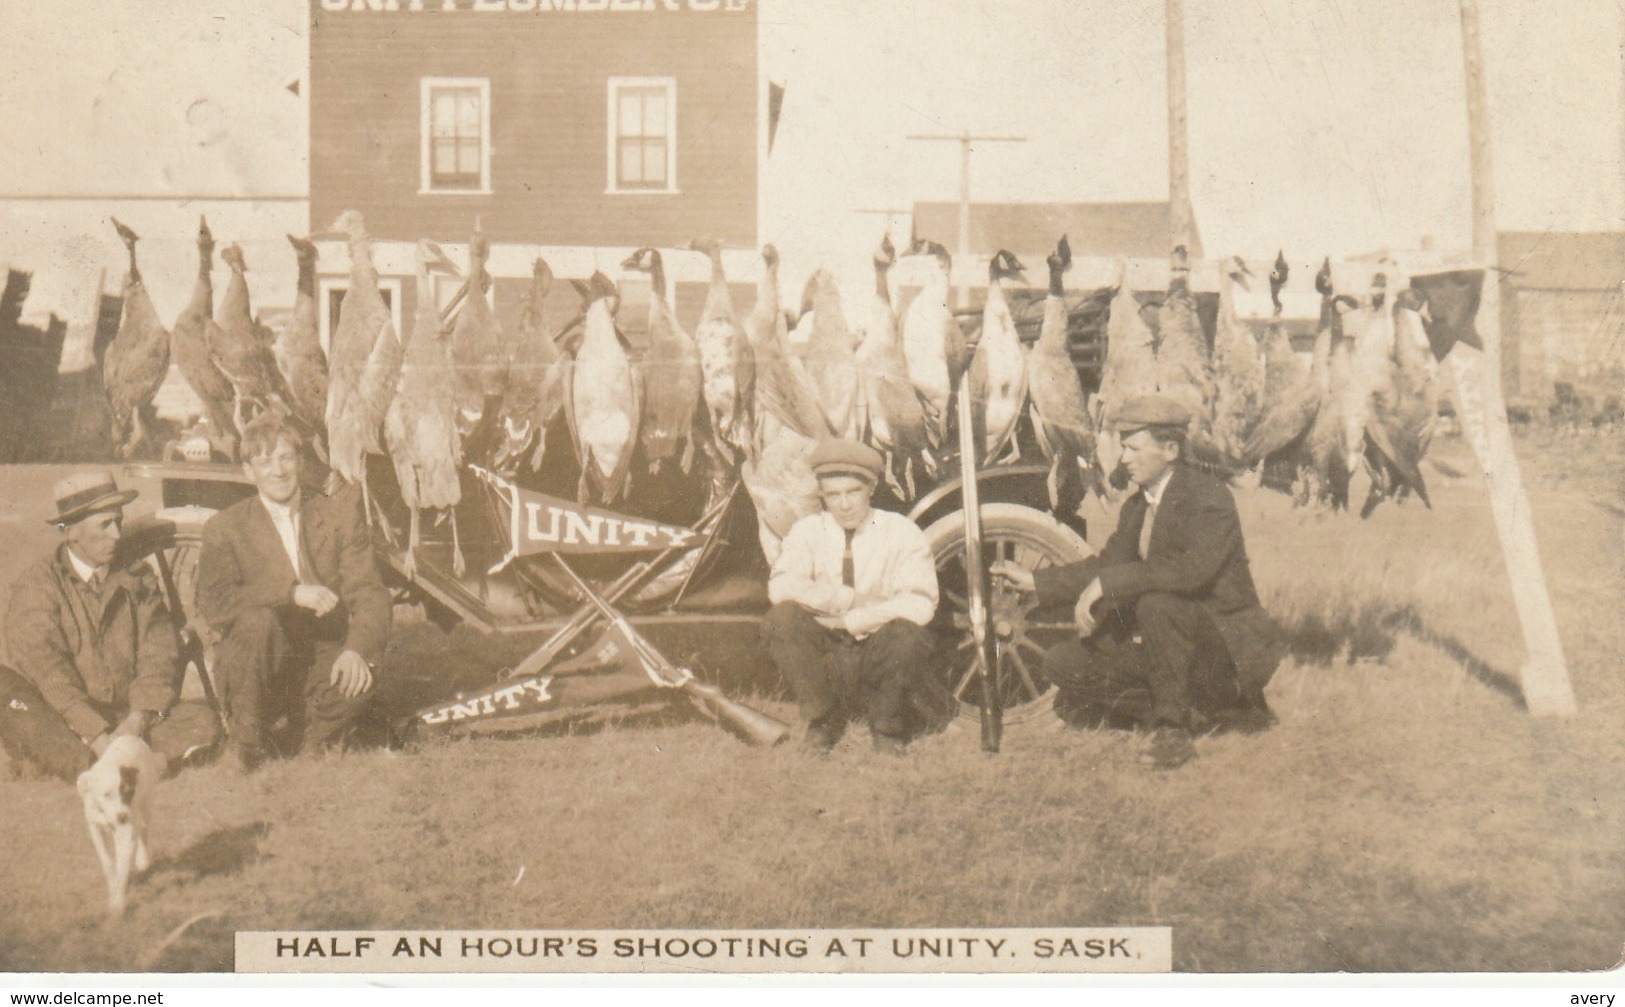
{"x":753,"y":726}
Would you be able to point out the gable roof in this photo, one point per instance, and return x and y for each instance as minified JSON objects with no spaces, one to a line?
{"x":1563,"y":260}
{"x":1107,"y":230}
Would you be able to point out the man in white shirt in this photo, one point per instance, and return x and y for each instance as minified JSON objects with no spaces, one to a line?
{"x":854,"y":590}
{"x":288,"y":582}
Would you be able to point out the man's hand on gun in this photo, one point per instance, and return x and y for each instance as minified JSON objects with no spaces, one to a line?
{"x":1014,"y":574}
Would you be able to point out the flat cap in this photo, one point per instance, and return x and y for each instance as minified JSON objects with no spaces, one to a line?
{"x":1144,"y":411}
{"x":846,"y":458}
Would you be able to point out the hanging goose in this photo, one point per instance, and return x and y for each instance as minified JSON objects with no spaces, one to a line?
{"x":727,"y":365}
{"x":998,"y":369}
{"x":1292,"y":396}
{"x":895,"y":420}
{"x":1130,"y":370}
{"x":238,"y":349}
{"x":189,"y":344}
{"x":670,"y":373}
{"x":830,"y":359}
{"x":934,"y":344}
{"x":603,"y":397}
{"x":298,"y":347}
{"x":534,"y":396}
{"x":1238,"y":368}
{"x":478,"y":352}
{"x":1184,"y":369}
{"x":785,"y":395}
{"x":1060,"y":409}
{"x":1400,"y":430}
{"x":137,"y":360}
{"x":360,"y":379}
{"x":420,"y":426}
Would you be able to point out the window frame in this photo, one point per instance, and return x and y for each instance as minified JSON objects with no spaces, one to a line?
{"x":426,"y":88}
{"x":325,"y":285}
{"x":612,"y":183}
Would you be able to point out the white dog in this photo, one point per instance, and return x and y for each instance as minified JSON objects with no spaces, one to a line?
{"x":117,"y":792}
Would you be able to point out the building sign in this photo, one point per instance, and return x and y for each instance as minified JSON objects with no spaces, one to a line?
{"x":538,"y":6}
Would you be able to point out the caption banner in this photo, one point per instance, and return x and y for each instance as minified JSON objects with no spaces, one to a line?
{"x":1067,"y":949}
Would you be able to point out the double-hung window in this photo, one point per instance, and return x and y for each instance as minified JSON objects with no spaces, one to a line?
{"x":456,"y":127}
{"x":642,"y":134}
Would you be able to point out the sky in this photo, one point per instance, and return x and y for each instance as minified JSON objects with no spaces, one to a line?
{"x":1321,"y":126}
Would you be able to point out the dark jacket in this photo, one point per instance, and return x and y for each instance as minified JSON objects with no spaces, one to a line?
{"x":93,"y":658}
{"x":1196,"y":552}
{"x":244,"y":567}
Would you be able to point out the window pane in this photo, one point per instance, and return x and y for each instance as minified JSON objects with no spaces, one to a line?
{"x":630,"y":113}
{"x":654,"y":114}
{"x":442,"y":120}
{"x":654,"y":162}
{"x":631,"y":166}
{"x":468,"y":158}
{"x":445,"y":157}
{"x":468,"y":114}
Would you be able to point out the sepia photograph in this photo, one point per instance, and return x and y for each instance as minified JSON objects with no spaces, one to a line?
{"x":812,"y":487}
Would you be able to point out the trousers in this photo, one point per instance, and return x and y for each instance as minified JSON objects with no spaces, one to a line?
{"x":271,"y":666}
{"x":34,"y":733}
{"x":1164,"y":664}
{"x":886,"y":678}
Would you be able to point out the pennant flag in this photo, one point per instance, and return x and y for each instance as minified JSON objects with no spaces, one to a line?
{"x":539,"y":523}
{"x":1452,"y":302}
{"x":612,"y":650}
{"x":775,"y":105}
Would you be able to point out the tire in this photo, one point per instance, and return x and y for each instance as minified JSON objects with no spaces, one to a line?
{"x":1035,"y":540}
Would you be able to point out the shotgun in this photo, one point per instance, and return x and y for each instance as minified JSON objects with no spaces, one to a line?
{"x":753,"y":726}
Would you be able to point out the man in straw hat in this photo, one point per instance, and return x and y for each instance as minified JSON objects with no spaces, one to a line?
{"x":93,"y":645}
{"x":853,"y":591}
{"x":1171,"y":633}
{"x":290,"y":584}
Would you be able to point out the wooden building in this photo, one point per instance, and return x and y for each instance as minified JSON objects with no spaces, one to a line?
{"x":575,"y":130}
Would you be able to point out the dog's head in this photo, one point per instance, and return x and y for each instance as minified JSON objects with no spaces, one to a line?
{"x":108,"y":791}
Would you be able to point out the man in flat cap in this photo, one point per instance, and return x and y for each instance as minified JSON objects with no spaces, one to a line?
{"x":290,"y":584}
{"x":93,"y":646}
{"x":853,"y":591}
{"x":1171,"y":633}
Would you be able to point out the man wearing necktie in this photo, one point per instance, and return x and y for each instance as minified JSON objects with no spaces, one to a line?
{"x":853,"y":591}
{"x":1171,"y":635}
{"x":93,"y":645}
{"x":288,"y":583}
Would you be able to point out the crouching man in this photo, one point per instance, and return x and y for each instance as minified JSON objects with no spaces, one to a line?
{"x":853,"y":591}
{"x":94,"y":646}
{"x":289,"y":584}
{"x":1171,"y":633}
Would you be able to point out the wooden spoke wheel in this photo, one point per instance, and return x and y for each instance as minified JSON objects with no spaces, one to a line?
{"x":1023,"y":630}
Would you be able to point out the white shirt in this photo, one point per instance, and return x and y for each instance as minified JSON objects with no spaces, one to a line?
{"x":286,"y":521}
{"x":86,"y":572}
{"x":891,"y":560}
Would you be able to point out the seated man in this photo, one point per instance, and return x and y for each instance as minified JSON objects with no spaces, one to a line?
{"x":1172,"y":636}
{"x":289,"y":584}
{"x":852,"y":592}
{"x":94,"y":646}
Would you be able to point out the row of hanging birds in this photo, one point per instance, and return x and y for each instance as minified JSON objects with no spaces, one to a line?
{"x":751,"y":394}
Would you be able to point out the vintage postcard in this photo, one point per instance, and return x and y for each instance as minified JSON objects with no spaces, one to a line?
{"x":537,"y":488}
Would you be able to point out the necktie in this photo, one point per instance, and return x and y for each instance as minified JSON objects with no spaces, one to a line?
{"x":1145,"y":529}
{"x":849,"y":575}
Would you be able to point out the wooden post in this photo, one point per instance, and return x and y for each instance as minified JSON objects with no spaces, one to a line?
{"x":1179,"y":175}
{"x":1544,"y":674}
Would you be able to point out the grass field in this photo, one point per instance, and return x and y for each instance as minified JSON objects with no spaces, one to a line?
{"x":1406,"y":814}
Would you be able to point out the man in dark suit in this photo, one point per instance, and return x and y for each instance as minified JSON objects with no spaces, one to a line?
{"x":1171,"y":632}
{"x":289,"y":583}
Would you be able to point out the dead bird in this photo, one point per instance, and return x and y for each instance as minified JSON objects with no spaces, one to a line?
{"x":785,"y":395}
{"x":298,"y":346}
{"x":137,"y":360}
{"x":727,"y":366}
{"x":1238,"y":368}
{"x":934,"y":344}
{"x":998,"y":368}
{"x":670,"y":373}
{"x":534,"y":396}
{"x":603,"y":398}
{"x":830,"y":358}
{"x":1060,"y":410}
{"x":479,"y":352}
{"x":894,"y":417}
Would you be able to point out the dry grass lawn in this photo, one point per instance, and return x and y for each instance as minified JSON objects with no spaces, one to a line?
{"x":1406,"y":814}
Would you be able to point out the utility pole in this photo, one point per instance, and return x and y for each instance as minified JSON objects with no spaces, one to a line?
{"x":962,"y":256}
{"x":1179,"y":169}
{"x":1544,"y":675}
